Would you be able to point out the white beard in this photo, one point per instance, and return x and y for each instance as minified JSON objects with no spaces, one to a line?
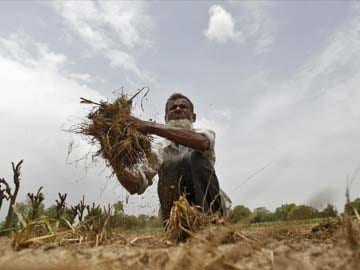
{"x":180,"y":123}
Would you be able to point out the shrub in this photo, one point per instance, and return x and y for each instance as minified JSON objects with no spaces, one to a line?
{"x":302,"y":212}
{"x":238,"y":213}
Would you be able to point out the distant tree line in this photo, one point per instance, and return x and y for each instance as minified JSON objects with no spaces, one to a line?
{"x":33,"y":208}
{"x":80,"y":213}
{"x":285,"y":212}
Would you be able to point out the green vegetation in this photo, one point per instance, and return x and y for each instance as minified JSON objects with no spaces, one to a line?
{"x":82,"y":212}
{"x":239,"y":213}
{"x":94,"y":216}
{"x":282,"y":212}
{"x":285,"y":212}
{"x":353,"y":205}
{"x":120,"y":221}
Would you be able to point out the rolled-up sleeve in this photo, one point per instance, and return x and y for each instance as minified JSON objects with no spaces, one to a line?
{"x":209,"y":134}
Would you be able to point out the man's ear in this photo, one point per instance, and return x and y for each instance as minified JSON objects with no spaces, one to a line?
{"x":194,"y":117}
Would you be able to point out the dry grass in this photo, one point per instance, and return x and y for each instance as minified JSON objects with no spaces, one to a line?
{"x":111,"y":126}
{"x":186,"y":219}
{"x":93,"y":231}
{"x":283,"y":247}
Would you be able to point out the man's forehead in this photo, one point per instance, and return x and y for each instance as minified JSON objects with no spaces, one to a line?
{"x":178,"y":100}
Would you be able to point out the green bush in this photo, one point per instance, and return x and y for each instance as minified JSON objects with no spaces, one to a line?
{"x":354,"y":204}
{"x":282,"y":212}
{"x":301,"y":212}
{"x":238,"y":213}
{"x":328,"y":211}
{"x":262,"y":215}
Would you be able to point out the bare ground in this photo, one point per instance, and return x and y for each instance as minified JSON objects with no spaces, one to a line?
{"x":278,"y":246}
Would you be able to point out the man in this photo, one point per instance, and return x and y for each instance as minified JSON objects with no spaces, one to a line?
{"x":184,"y":160}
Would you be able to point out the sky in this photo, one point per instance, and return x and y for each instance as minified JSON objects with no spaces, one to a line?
{"x":277,"y":81}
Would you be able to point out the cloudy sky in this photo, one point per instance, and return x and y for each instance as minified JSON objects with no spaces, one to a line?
{"x":277,"y":81}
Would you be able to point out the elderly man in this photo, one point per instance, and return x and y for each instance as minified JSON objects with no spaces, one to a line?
{"x":185,"y":160}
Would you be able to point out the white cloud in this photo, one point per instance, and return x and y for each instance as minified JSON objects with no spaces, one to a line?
{"x":37,"y":100}
{"x":122,"y":59}
{"x":80,"y":76}
{"x":257,"y":23}
{"x":224,"y":114}
{"x":221,"y":26}
{"x":112,"y":29}
{"x":263,"y":45}
{"x":19,"y":47}
{"x":306,"y":127}
{"x":253,"y":22}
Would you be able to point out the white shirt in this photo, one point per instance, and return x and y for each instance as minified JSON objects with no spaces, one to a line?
{"x":163,"y":149}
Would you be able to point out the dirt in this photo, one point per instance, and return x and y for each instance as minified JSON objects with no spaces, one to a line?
{"x":279,"y":246}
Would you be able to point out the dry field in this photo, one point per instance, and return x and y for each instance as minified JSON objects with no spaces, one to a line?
{"x":275,"y":246}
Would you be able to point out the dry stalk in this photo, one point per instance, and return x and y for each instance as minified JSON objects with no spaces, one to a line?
{"x":36,"y":200}
{"x":4,"y":193}
{"x":60,"y":205}
{"x":93,"y":231}
{"x":80,"y":208}
{"x":352,"y":239}
{"x":12,"y":195}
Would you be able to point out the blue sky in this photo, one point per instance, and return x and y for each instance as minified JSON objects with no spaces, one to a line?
{"x":277,"y":81}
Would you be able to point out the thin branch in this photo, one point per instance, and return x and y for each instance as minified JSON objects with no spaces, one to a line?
{"x":88,"y":101}
{"x":60,"y":205}
{"x":137,"y":93}
{"x":7,"y":187}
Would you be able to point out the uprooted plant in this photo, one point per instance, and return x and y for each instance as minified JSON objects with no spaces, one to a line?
{"x":186,"y":219}
{"x":112,"y":126}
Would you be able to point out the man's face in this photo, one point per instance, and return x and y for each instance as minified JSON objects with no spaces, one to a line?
{"x":179,"y":108}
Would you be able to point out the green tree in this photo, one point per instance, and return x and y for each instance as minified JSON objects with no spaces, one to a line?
{"x":302,"y":212}
{"x":118,"y":208}
{"x":349,"y":207}
{"x":328,"y":211}
{"x":238,"y":213}
{"x":262,"y":215}
{"x":282,"y":212}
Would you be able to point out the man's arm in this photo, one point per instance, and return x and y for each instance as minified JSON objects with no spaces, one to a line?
{"x":181,"y":136}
